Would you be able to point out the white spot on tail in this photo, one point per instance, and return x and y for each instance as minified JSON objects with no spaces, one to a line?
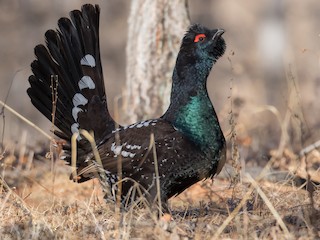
{"x":88,"y":60}
{"x":79,"y":99}
{"x":75,"y":112}
{"x":86,"y":82}
{"x":75,"y":129}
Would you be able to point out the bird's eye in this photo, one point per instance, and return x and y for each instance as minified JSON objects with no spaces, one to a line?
{"x":199,"y":37}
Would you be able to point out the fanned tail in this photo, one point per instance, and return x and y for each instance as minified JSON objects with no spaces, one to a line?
{"x":72,"y":56}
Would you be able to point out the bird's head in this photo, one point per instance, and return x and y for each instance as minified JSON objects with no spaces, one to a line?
{"x":203,"y":43}
{"x":200,"y":49}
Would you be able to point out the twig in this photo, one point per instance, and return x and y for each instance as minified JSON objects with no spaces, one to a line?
{"x":233,"y":214}
{"x":243,"y":201}
{"x":233,"y":138}
{"x":119,"y":158}
{"x":26,"y":120}
{"x":91,"y":197}
{"x":98,"y":225}
{"x":269,"y":205}
{"x":282,"y":123}
{"x":90,"y":138}
{"x":74,"y":156}
{"x":310,"y":148}
{"x":2,"y":110}
{"x":156,"y":168}
{"x":54,"y":97}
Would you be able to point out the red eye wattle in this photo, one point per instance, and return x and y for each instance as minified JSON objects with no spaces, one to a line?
{"x":199,"y":37}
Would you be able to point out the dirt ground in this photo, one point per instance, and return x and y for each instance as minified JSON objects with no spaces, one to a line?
{"x":39,"y":201}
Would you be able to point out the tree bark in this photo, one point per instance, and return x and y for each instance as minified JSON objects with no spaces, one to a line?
{"x":155,"y":30}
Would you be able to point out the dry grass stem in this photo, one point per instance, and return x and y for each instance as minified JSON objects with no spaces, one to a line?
{"x":74,"y":156}
{"x":269,"y":205}
{"x":156,"y":169}
{"x":310,"y":148}
{"x":283,"y":123}
{"x":26,"y":120}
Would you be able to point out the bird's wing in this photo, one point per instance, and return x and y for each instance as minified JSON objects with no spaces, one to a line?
{"x":139,"y":152}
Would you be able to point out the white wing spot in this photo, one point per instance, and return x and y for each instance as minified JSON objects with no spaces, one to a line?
{"x":117,"y":130}
{"x":133,"y":125}
{"x":86,"y":82}
{"x":116,"y":149}
{"x":146,"y":124}
{"x":113,"y":145}
{"x":107,"y":172}
{"x":125,"y":153}
{"x":88,"y":60}
{"x":133,"y":147}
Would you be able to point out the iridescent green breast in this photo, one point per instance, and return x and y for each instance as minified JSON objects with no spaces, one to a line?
{"x":198,"y":121}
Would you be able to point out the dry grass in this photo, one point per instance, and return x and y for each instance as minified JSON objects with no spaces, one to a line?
{"x":38,"y":203}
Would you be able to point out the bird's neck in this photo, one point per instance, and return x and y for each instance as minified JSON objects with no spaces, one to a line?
{"x":191,"y":110}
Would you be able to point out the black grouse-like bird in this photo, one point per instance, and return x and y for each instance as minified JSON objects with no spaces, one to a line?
{"x":190,"y":145}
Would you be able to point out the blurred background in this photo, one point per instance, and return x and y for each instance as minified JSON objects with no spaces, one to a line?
{"x":269,"y":77}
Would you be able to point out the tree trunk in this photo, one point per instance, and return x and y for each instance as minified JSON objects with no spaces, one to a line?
{"x":155,"y":29}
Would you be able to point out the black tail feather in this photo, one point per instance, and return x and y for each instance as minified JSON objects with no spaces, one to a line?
{"x":72,"y":56}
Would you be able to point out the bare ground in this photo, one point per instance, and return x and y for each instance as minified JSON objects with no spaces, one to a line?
{"x":38,"y":201}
